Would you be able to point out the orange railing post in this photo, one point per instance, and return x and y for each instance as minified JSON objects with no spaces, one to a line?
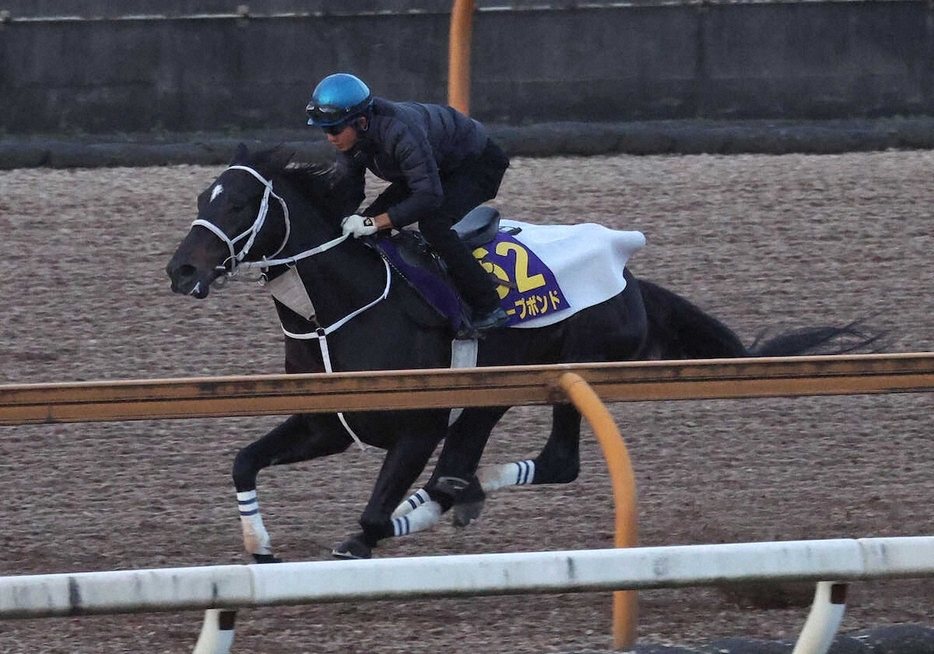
{"x":625,"y":602}
{"x":459,"y":55}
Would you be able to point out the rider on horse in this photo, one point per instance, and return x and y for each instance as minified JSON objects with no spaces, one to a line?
{"x":440,"y":165}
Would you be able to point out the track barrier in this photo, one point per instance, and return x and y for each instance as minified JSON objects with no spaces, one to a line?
{"x":459,"y":42}
{"x":623,"y":479}
{"x":203,"y":397}
{"x":227,"y":587}
{"x":462,"y":575}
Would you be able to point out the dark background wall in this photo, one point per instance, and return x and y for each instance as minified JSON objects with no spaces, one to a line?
{"x":102,"y":67}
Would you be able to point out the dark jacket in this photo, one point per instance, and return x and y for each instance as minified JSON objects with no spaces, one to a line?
{"x":416,"y":145}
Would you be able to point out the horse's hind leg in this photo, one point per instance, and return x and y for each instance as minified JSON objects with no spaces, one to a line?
{"x":613,"y":331}
{"x":459,"y":482}
{"x":453,"y":482}
{"x":291,"y":441}
{"x":558,"y":462}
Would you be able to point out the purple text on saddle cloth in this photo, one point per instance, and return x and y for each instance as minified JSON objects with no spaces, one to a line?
{"x":529,"y":289}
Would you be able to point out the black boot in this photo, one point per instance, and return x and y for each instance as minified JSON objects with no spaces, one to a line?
{"x":486,"y":321}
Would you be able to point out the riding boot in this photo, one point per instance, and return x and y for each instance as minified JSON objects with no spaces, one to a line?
{"x":491,"y":320}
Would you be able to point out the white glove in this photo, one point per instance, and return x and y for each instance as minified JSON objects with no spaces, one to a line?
{"x":358,"y":226}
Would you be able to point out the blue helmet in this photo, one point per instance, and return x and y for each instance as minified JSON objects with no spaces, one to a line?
{"x":337,"y":99}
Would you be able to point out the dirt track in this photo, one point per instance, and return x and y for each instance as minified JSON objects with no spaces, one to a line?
{"x":758,"y":241}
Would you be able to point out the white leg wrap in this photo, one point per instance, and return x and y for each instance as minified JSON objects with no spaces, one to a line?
{"x":217,"y":632}
{"x":418,"y":519}
{"x":255,"y":537}
{"x":493,"y":478}
{"x":415,"y":500}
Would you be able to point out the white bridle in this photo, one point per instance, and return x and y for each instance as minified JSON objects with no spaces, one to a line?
{"x":236,"y":259}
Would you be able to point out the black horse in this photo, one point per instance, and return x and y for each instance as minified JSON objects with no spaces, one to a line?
{"x":353,"y":313}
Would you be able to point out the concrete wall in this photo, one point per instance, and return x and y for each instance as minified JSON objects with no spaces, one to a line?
{"x":176,"y":72}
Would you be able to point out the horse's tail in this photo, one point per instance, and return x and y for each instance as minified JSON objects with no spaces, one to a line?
{"x":677,"y":329}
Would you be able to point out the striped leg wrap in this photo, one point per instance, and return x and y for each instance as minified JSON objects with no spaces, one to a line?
{"x":418,"y":498}
{"x":418,"y":519}
{"x":519,"y":473}
{"x":255,"y":537}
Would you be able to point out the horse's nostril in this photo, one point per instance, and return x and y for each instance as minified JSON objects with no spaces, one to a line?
{"x":184,"y":271}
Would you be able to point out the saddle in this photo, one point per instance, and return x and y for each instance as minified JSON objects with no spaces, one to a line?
{"x":411,"y":255}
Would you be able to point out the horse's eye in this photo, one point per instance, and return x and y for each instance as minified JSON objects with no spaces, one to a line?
{"x":238,"y":203}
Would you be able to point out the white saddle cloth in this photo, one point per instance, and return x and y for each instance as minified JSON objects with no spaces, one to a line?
{"x":587,"y":261}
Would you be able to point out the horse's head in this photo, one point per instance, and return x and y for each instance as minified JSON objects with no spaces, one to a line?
{"x":240,"y":218}
{"x":243,"y":219}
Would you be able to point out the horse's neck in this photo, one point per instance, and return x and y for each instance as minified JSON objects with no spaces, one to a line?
{"x":339,"y":280}
{"x":344,"y":279}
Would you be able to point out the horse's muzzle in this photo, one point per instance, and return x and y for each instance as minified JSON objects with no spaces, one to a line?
{"x":188,"y":280}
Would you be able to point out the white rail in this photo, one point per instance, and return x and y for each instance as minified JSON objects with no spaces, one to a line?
{"x":235,"y":586}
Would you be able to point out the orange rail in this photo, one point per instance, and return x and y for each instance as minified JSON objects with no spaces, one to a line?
{"x":625,"y":602}
{"x":459,"y":55}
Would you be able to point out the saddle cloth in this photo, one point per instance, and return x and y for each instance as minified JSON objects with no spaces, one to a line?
{"x":554,"y":271}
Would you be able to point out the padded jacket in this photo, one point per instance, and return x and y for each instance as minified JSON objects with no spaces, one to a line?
{"x":415,"y":145}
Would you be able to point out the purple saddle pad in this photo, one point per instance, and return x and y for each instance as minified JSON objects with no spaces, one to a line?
{"x":409,"y":254}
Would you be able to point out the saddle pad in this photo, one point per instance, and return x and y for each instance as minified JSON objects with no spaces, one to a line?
{"x":554,"y":271}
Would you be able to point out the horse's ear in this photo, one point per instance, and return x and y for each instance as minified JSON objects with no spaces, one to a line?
{"x":240,"y":155}
{"x":271,"y":161}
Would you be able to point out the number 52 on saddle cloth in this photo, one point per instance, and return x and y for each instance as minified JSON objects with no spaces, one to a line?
{"x":546,"y":273}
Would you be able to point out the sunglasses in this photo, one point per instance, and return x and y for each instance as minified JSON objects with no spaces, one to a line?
{"x":334,"y":130}
{"x":329,"y":114}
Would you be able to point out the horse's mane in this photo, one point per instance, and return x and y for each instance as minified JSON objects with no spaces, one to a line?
{"x":327,"y":185}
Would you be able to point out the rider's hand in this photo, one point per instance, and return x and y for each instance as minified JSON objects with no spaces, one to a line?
{"x":358,"y":226}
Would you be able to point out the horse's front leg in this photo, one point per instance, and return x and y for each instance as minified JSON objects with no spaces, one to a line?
{"x":405,"y":460}
{"x":299,"y":438}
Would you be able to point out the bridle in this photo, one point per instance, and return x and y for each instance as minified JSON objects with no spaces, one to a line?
{"x":236,"y":259}
{"x":236,"y":262}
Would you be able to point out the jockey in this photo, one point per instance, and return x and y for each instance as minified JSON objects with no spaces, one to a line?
{"x":440,"y":165}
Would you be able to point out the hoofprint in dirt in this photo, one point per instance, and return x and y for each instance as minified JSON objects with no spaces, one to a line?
{"x":757,"y":241}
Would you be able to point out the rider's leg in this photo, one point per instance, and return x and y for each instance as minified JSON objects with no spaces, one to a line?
{"x":470,"y":186}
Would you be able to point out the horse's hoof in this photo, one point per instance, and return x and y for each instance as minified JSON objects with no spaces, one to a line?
{"x":469,"y":503}
{"x":352,"y":548}
{"x":266,"y":558}
{"x":464,"y":514}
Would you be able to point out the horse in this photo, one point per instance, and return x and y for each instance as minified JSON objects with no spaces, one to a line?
{"x":354,"y":312}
